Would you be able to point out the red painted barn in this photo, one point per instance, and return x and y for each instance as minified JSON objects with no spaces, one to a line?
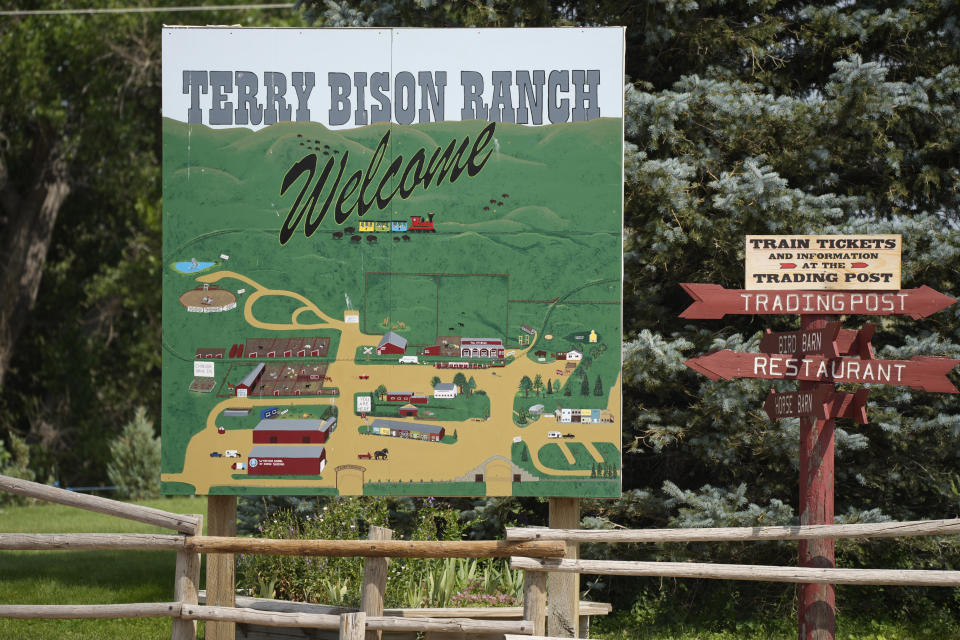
{"x":432,"y":350}
{"x":481,"y":348}
{"x":392,"y":344}
{"x":408,"y":411}
{"x":289,"y":431}
{"x":399,"y":396}
{"x":246,"y":385}
{"x":287,"y":460}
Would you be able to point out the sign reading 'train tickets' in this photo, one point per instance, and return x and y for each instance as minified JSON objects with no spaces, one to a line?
{"x":823,"y":262}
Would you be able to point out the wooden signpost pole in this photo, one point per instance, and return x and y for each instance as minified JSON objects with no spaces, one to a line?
{"x":817,"y":611}
{"x":563,"y":589}
{"x":221,"y":582}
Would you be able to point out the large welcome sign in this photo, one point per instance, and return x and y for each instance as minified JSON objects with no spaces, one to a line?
{"x":392,"y":261}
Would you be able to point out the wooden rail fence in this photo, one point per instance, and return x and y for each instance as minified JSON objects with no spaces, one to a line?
{"x":535,"y":550}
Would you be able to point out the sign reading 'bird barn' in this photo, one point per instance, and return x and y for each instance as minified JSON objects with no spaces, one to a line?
{"x":392,"y":261}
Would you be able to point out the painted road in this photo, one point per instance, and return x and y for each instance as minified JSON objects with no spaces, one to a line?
{"x":409,"y":460}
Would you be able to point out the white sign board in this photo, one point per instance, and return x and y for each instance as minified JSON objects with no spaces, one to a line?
{"x":796,"y":262}
{"x":202,"y":369}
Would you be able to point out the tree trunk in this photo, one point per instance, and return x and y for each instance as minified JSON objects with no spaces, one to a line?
{"x":29,"y":227}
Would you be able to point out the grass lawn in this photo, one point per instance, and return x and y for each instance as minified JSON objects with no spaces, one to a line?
{"x":620,"y":627}
{"x":86,"y":577}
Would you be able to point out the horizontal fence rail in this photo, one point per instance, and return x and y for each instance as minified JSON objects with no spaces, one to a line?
{"x":377,"y":548}
{"x":758,"y":573}
{"x":89,"y":541}
{"x":102,"y":611}
{"x":741,"y":534}
{"x":266,"y":546}
{"x":263,"y":618}
{"x":373,"y":623}
{"x":148,"y":515}
{"x":587,"y":608}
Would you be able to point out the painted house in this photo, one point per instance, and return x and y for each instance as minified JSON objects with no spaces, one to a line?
{"x":527,"y":329}
{"x":445,"y":390}
{"x":481,"y":348}
{"x":591,"y":416}
{"x":410,"y":430}
{"x":391,"y":343}
{"x":243,"y":389}
{"x":272,"y":460}
{"x":293,"y":431}
{"x":574,"y":355}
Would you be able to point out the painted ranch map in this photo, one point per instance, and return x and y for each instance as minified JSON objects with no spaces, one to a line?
{"x":392,"y":276}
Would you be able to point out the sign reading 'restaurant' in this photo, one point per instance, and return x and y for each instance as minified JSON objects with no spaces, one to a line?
{"x":823,"y":262}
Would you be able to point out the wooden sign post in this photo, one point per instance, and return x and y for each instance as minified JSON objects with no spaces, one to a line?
{"x":818,"y":278}
{"x":817,"y":601}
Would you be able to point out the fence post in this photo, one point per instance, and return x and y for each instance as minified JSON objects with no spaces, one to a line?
{"x":535,"y":600}
{"x":352,"y":625}
{"x":563,"y":606}
{"x":186,"y":588}
{"x":221,"y":581}
{"x":374,"y":580}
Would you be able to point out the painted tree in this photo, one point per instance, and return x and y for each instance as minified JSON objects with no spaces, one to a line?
{"x":460,"y":380}
{"x":538,"y":384}
{"x":471,"y":386}
{"x":549,"y":388}
{"x":598,"y":387}
{"x":525,"y":386}
{"x":584,"y":386}
{"x":381,"y":391}
{"x":434,"y":381}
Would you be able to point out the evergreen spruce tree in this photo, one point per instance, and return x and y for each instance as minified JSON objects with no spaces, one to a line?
{"x":135,"y":459}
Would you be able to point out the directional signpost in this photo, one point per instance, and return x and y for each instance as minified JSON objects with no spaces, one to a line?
{"x":713,"y":301}
{"x":820,"y":278}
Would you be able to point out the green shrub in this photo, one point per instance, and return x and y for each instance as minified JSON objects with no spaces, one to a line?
{"x":135,"y":459}
{"x":410,"y":583}
{"x":15,"y":463}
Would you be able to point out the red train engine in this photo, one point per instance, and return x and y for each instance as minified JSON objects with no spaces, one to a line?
{"x":419,"y":224}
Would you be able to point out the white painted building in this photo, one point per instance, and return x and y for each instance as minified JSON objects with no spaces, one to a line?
{"x":445,"y":390}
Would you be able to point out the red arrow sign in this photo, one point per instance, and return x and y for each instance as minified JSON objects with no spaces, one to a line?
{"x":831,"y":341}
{"x":920,"y":372}
{"x":823,"y":403}
{"x":787,"y":265}
{"x":713,"y":301}
{"x":859,"y":265}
